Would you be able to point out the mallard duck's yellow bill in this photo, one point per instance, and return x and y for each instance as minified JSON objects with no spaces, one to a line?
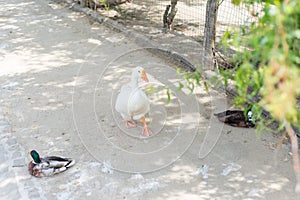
{"x":144,"y":76}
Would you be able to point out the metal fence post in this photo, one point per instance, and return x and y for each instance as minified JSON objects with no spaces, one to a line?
{"x":82,"y":3}
{"x":209,"y":34}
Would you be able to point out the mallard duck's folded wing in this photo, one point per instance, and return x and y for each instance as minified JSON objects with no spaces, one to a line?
{"x":230,"y":114}
{"x":56,"y":162}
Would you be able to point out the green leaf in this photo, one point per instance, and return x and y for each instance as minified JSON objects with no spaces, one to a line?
{"x":296,"y":34}
{"x":180,"y":87}
{"x":236,"y":2}
{"x":206,"y":85}
{"x":151,"y":89}
{"x":197,"y":78}
{"x":191,"y":87}
{"x":169,"y":96}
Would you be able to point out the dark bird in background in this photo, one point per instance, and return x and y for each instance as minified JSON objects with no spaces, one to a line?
{"x":236,"y":118}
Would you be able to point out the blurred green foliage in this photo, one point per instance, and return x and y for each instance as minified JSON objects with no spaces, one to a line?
{"x":268,"y":57}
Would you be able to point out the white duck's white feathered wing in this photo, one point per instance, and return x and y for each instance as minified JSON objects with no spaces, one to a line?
{"x":138,"y":104}
{"x":122,"y":102}
{"x":132,"y":104}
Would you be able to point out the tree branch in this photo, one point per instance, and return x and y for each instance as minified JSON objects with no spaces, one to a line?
{"x":169,"y":17}
{"x":296,"y":160}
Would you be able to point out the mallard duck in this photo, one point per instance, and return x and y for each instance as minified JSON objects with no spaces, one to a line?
{"x":236,"y":118}
{"x":132,"y":103}
{"x":48,"y":166}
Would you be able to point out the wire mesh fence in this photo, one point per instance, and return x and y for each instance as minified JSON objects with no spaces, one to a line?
{"x":147,"y":16}
{"x":190,"y":16}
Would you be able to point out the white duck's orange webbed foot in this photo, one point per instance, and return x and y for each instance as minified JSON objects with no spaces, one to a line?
{"x":130,"y":124}
{"x":147,"y":132}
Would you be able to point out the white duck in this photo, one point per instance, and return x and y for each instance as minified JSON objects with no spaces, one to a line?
{"x":132,"y":103}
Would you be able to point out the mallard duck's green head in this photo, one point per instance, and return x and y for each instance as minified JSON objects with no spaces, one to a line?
{"x":35,"y":156}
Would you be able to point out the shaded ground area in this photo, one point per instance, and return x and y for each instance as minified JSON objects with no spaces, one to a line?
{"x":187,"y":29}
{"x":59,"y":76}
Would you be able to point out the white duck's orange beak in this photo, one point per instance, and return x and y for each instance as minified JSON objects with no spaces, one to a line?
{"x":144,"y":76}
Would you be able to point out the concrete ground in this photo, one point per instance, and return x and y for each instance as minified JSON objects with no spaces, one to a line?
{"x":59,"y":77}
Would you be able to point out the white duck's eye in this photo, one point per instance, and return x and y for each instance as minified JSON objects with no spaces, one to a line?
{"x":139,"y":71}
